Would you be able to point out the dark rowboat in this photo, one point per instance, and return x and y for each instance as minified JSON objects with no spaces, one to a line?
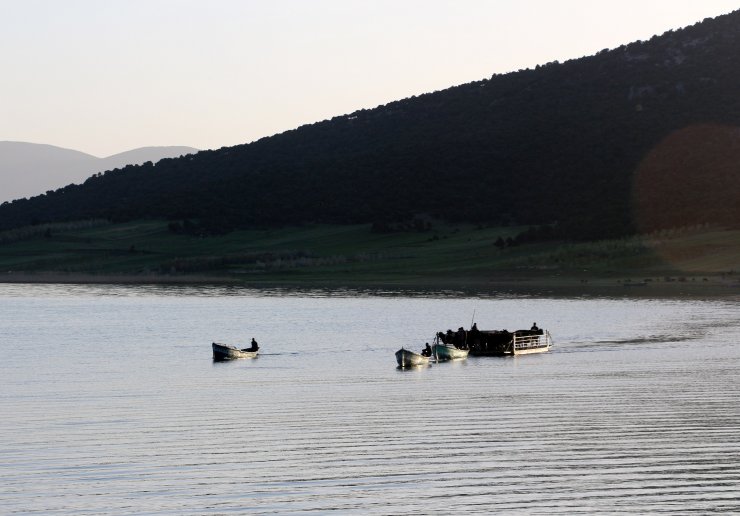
{"x":224,"y":352}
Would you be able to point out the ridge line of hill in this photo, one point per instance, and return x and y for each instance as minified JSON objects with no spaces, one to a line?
{"x":589,"y":147}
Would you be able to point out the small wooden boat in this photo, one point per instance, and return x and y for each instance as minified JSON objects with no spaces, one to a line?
{"x":406,"y":358}
{"x":448,"y":352}
{"x":225,"y":352}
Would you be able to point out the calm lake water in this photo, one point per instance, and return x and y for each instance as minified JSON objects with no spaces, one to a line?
{"x":111,"y":404}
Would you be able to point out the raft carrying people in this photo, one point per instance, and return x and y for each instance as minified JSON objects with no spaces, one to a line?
{"x":498,"y":342}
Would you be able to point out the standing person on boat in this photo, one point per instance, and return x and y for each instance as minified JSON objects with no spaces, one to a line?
{"x":536,"y":331}
{"x":459,"y":337}
{"x":427,"y":351}
{"x":255,"y":346}
{"x":474,"y":331}
{"x":473,"y":336}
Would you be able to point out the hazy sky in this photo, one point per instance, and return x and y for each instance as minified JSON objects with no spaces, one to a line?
{"x":104,"y":76}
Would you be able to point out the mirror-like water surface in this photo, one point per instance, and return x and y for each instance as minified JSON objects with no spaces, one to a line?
{"x":111,"y":404}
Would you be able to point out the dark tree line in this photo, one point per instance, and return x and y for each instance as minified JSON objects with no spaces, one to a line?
{"x":558,"y":145}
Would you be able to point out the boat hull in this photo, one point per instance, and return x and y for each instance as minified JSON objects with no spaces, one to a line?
{"x":224,"y":352}
{"x":530,"y":351}
{"x":406,"y":358}
{"x":443,"y":352}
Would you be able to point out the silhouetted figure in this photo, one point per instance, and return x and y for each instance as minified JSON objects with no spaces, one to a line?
{"x":534,"y":327}
{"x":474,"y":336}
{"x":449,"y":338}
{"x":427,"y":351}
{"x":460,"y":337}
{"x":254,"y":346}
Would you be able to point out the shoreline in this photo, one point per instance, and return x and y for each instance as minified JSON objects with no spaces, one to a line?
{"x":565,"y":286}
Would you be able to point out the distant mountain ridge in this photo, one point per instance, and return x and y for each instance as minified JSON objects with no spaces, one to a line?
{"x":588,"y":146}
{"x":28,"y":169}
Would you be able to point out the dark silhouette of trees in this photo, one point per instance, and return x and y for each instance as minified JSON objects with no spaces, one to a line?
{"x":555,"y":147}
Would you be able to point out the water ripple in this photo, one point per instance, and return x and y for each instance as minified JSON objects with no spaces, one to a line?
{"x":628,"y":414}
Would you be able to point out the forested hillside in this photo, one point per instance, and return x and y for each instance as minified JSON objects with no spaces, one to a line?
{"x":591,"y":145}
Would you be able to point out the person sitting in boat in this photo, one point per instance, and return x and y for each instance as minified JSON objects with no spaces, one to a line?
{"x":254,"y":346}
{"x":534,"y":327}
{"x":427,"y":351}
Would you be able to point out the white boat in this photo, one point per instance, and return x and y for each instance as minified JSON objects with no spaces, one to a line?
{"x":226,"y":352}
{"x":448,"y":352}
{"x":406,"y":358}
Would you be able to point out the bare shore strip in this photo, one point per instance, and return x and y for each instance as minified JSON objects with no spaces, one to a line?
{"x":712,"y":286}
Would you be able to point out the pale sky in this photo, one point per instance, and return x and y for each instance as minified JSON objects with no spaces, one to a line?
{"x":105,"y":76}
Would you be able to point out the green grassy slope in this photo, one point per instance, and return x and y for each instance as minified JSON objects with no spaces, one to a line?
{"x":337,"y":255}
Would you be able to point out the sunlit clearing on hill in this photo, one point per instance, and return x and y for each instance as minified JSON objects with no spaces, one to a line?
{"x":689,"y":182}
